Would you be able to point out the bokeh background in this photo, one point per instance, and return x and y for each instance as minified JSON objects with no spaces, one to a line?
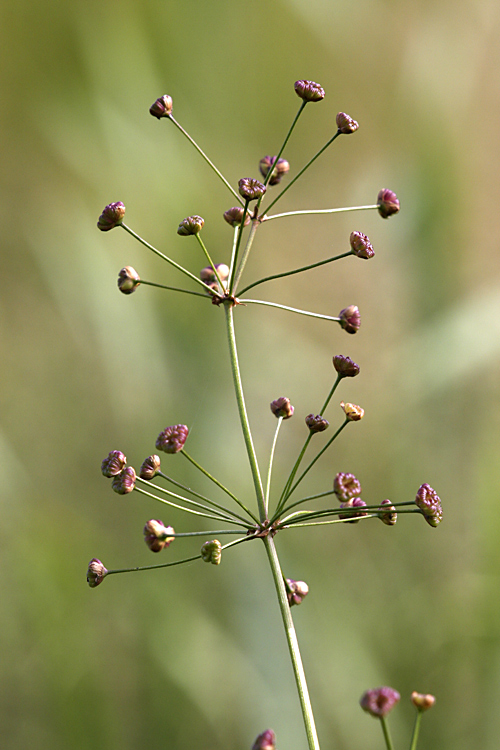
{"x":195,"y":656}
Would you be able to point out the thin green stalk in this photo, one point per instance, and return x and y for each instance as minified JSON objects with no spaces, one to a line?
{"x":174,"y":288}
{"x":387,"y":735}
{"x":246,"y":252}
{"x":296,"y":270}
{"x":293,"y":645}
{"x":210,"y":261}
{"x":233,"y":250}
{"x":329,"y":397}
{"x":416,"y":730}
{"x":236,"y":250}
{"x":324,"y":523}
{"x":205,"y":533}
{"x":152,"y":567}
{"x":245,"y":426}
{"x":187,"y":510}
{"x":317,"y":211}
{"x":271,"y":459}
{"x":290,"y":309}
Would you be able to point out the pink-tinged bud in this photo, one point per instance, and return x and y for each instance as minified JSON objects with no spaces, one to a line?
{"x":353,"y":412}
{"x":355,"y":502}
{"x":208,"y":276}
{"x":388,"y":203}
{"x":350,"y":319}
{"x":150,"y":467}
{"x":172,"y":439}
{"x":296,"y":591}
{"x":250,"y":188}
{"x":429,"y":503}
{"x":316,"y":423}
{"x":346,"y":486}
{"x":191,"y":225}
{"x":162,"y":107}
{"x":96,"y":573}
{"x":281,"y":167}
{"x":111,"y":217}
{"x":211,"y":552}
{"x":345,"y":366}
{"x":234,"y":216}
{"x":387,"y":513}
{"x":157,"y":535}
{"x":380,"y":701}
{"x":128,"y":280}
{"x":113,"y":464}
{"x":265,"y":741}
{"x":422,"y":701}
{"x":361,"y":246}
{"x":124,"y":482}
{"x":346,"y":124}
{"x":282,"y":407}
{"x":309,"y":91}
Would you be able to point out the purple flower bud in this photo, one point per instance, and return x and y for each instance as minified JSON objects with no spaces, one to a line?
{"x":350,"y":319}
{"x":280,"y":168}
{"x":113,"y":464}
{"x":265,"y":741}
{"x":387,"y":203}
{"x":355,"y":502}
{"x":96,"y":573}
{"x":124,"y":482}
{"x":250,"y":188}
{"x":150,"y":467}
{"x":316,"y":423}
{"x":172,"y":439}
{"x":162,"y":107}
{"x":380,"y":701}
{"x":353,"y":412}
{"x":345,"y":366}
{"x":128,"y":280}
{"x":346,"y":486}
{"x":111,"y":217}
{"x":422,"y":701}
{"x":309,"y":91}
{"x":282,"y":407}
{"x":234,"y":216}
{"x":157,"y":535}
{"x":361,"y":246}
{"x":211,"y":552}
{"x":346,"y":124}
{"x":296,"y":591}
{"x":387,"y":513}
{"x":429,"y":503}
{"x":191,"y":225}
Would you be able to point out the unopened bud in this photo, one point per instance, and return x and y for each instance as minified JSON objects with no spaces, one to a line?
{"x":296,"y":591}
{"x":162,"y":107}
{"x":157,"y":535}
{"x":191,"y":225}
{"x":345,"y":366}
{"x":250,"y":188}
{"x":316,"y":423}
{"x":309,"y":91}
{"x":111,"y":216}
{"x":355,"y":502}
{"x":96,"y":573}
{"x":280,"y":168}
{"x":387,"y":513}
{"x":353,"y":412}
{"x":350,"y":319}
{"x":211,"y":552}
{"x":234,"y":216}
{"x":207,"y":275}
{"x":124,"y":482}
{"x":265,"y":741}
{"x":380,"y":701}
{"x":150,"y":467}
{"x":282,"y":407}
{"x":422,"y":701}
{"x":172,"y":439}
{"x":361,"y":246}
{"x":128,"y":280}
{"x":113,"y":464}
{"x":346,"y":124}
{"x":346,"y":486}
{"x":388,"y":203}
{"x":429,"y":503}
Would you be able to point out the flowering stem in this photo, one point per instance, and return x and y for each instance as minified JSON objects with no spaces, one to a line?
{"x":325,"y":523}
{"x":293,"y":645}
{"x":318,"y":211}
{"x":387,"y":735}
{"x":290,"y":309}
{"x":210,"y":261}
{"x":296,"y":270}
{"x":416,"y":729}
{"x":236,"y":248}
{"x":217,"y":517}
{"x":290,"y":479}
{"x":271,"y":459}
{"x":175,"y":288}
{"x":245,"y":426}
{"x":203,"y":154}
{"x":233,"y":251}
{"x":204,"y":533}
{"x":246,"y":252}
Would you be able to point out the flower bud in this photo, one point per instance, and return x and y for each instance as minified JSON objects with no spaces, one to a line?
{"x":309,"y":91}
{"x":111,"y":216}
{"x":380,"y":701}
{"x":353,"y":412}
{"x":234,"y":216}
{"x":128,"y":280}
{"x":150,"y":467}
{"x":191,"y":225}
{"x":429,"y":503}
{"x":281,"y":168}
{"x":387,"y":203}
{"x":96,"y":573}
{"x":355,"y":502}
{"x":265,"y":741}
{"x":387,"y":513}
{"x":346,"y":124}
{"x":211,"y":552}
{"x":361,"y":246}
{"x":162,"y":107}
{"x":113,"y":464}
{"x":346,"y":486}
{"x":296,"y":591}
{"x":350,"y":319}
{"x":316,"y":423}
{"x":282,"y":407}
{"x":208,"y":276}
{"x":157,"y":535}
{"x":345,"y":366}
{"x":250,"y":188}
{"x":422,"y":701}
{"x":124,"y":482}
{"x":172,"y":439}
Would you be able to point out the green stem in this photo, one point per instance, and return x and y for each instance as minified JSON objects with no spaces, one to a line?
{"x":246,"y":253}
{"x":271,"y":459}
{"x":290,"y":309}
{"x":387,"y":735}
{"x":236,"y":250}
{"x":329,"y":397}
{"x":174,"y":288}
{"x":152,"y":567}
{"x":325,"y":523}
{"x":318,"y":211}
{"x":214,"y":517}
{"x":293,"y":645}
{"x":416,"y":729}
{"x":210,"y":261}
{"x":296,"y":270}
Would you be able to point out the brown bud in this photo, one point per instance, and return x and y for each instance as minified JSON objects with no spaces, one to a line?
{"x":128,"y":280}
{"x":124,"y":482}
{"x":309,"y":91}
{"x":380,"y":701}
{"x":157,"y":535}
{"x":211,"y":552}
{"x":150,"y":467}
{"x":361,"y":246}
{"x":316,"y":423}
{"x":162,"y":107}
{"x":281,"y":168}
{"x":296,"y":591}
{"x":388,"y":203}
{"x":172,"y":439}
{"x":234,"y":216}
{"x":96,"y":573}
{"x":111,"y":217}
{"x":422,"y":701}
{"x":353,"y":502}
{"x":282,"y":407}
{"x":387,"y":513}
{"x":346,"y":124}
{"x":345,"y":366}
{"x":346,"y":486}
{"x":191,"y":225}
{"x":265,"y":741}
{"x":113,"y":464}
{"x":350,"y":319}
{"x":250,"y":188}
{"x":353,"y":412}
{"x":429,"y":503}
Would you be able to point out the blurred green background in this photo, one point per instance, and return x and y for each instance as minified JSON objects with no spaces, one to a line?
{"x":195,"y":656}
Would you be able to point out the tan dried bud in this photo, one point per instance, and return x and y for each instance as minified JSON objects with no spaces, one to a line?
{"x":96,"y":573}
{"x":128,"y":280}
{"x":211,"y":552}
{"x":158,"y":536}
{"x":282,"y":407}
{"x":162,"y":107}
{"x":422,"y":701}
{"x":234,"y":216}
{"x":353,"y":412}
{"x":387,"y":513}
{"x":309,"y":91}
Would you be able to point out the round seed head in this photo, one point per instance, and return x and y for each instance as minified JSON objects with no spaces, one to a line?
{"x":345,"y":366}
{"x":234,"y":216}
{"x":150,"y":467}
{"x":191,"y":225}
{"x":250,"y":188}
{"x":380,"y":701}
{"x":172,"y":439}
{"x":316,"y":423}
{"x":211,"y":552}
{"x":158,"y":536}
{"x":346,"y":486}
{"x":124,"y":482}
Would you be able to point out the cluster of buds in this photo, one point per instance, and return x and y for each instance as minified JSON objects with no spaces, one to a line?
{"x":96,"y":573}
{"x":172,"y":439}
{"x":317,"y":423}
{"x":380,"y":701}
{"x":190,"y":225}
{"x":115,"y":467}
{"x":209,"y":277}
{"x":280,"y":168}
{"x":296,"y":591}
